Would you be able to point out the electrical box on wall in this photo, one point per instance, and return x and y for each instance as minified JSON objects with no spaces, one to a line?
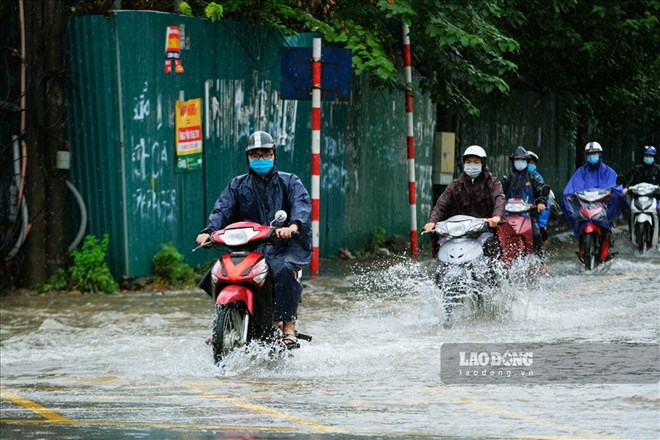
{"x":444,"y":157}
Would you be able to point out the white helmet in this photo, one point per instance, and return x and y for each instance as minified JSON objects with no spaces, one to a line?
{"x":475,"y":150}
{"x":593,"y":147}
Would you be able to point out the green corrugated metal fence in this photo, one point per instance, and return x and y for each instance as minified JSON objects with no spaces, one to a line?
{"x":121,"y":129}
{"x":527,"y":119}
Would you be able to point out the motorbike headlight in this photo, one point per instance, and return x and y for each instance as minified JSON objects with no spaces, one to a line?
{"x":259,"y":272}
{"x":515,"y":207}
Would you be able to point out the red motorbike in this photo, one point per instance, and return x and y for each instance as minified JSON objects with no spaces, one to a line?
{"x":515,"y":233}
{"x":593,"y":225}
{"x":242,"y":287}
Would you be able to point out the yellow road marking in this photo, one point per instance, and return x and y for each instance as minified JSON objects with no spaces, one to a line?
{"x":535,"y":420}
{"x":273,"y":413}
{"x":49,"y":415}
{"x":120,"y":423}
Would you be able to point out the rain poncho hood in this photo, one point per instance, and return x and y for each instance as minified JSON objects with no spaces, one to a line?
{"x":594,"y":176}
{"x":520,"y":152}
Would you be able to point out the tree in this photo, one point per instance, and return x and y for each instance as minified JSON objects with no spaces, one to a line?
{"x":459,"y":51}
{"x":599,"y":57}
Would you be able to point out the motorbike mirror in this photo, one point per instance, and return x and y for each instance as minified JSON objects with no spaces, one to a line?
{"x":280,"y":216}
{"x":545,"y":190}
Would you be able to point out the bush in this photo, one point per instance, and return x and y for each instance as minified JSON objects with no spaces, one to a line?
{"x":90,"y":270}
{"x":377,"y":238}
{"x":59,"y":281}
{"x":169,"y":265}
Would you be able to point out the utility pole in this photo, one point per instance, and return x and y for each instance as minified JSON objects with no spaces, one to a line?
{"x":46,"y":190}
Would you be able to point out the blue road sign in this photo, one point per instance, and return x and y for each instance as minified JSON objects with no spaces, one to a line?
{"x":336,"y":73}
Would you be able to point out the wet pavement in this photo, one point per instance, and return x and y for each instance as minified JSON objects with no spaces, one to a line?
{"x":136,"y":366}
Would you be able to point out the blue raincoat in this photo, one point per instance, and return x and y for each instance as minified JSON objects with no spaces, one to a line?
{"x":249,"y":197}
{"x":595,"y":176}
{"x":544,"y":216}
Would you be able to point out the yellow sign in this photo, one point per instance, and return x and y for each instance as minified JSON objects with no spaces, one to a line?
{"x":188,"y":135}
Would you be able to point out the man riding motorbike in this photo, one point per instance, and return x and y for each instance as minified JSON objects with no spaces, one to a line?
{"x":475,"y":192}
{"x":256,"y":196}
{"x":594,"y":174}
{"x":648,"y":171}
{"x":525,"y":185}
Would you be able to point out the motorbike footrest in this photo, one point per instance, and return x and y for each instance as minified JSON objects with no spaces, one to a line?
{"x":304,"y":337}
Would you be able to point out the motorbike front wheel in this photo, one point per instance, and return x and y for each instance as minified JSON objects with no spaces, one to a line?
{"x":228,"y":329}
{"x":644,"y":234}
{"x":590,"y":251}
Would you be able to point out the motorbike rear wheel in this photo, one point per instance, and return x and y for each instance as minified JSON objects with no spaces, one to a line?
{"x":590,"y":251}
{"x":228,"y":329}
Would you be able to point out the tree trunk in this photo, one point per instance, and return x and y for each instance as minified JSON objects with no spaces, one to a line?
{"x":46,"y":191}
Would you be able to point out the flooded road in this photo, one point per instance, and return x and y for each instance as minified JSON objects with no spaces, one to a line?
{"x":136,"y":366}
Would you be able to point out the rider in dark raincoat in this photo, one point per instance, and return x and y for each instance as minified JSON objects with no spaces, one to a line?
{"x":476,"y":192}
{"x":256,"y":197}
{"x":594,"y":174}
{"x":523,"y":184}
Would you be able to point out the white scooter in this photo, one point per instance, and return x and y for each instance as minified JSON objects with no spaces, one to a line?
{"x":644,"y":215}
{"x":463,"y":271}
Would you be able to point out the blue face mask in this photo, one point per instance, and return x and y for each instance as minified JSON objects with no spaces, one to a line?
{"x":531,"y":168}
{"x":593,"y":159}
{"x":262,"y":166}
{"x":648,"y":160}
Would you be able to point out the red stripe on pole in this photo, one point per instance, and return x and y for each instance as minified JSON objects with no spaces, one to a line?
{"x":316,"y":118}
{"x":316,"y":209}
{"x":412,"y":193}
{"x":413,"y":240}
{"x":409,"y":103}
{"x":411,"y":147}
{"x":407,"y":55}
{"x":316,"y":164}
{"x":316,"y":74}
{"x":315,"y":260}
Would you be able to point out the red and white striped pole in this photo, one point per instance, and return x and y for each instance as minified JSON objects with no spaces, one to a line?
{"x":412,"y":186}
{"x":316,"y":151}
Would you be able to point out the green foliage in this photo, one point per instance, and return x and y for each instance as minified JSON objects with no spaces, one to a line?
{"x":213,"y":11}
{"x":185,"y":9}
{"x":599,"y":55}
{"x":90,"y":271}
{"x":377,"y":238}
{"x":59,"y":281}
{"x":169,"y":265}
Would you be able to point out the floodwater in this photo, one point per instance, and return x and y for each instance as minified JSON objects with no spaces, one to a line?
{"x":136,"y":366}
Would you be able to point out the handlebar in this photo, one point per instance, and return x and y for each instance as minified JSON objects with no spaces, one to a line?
{"x":270,"y":238}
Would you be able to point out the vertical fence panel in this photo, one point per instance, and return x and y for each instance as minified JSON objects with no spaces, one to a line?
{"x":527,"y":119}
